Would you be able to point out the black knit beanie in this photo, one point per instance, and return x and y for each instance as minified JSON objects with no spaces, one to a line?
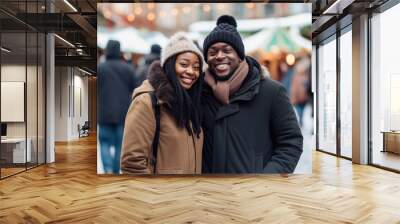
{"x":226,"y":32}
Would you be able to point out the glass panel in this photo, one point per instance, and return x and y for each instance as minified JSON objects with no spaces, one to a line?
{"x":346,"y":94}
{"x":13,"y":92}
{"x":41,"y":99}
{"x":31,"y":100}
{"x":23,"y":82}
{"x":327,"y":97}
{"x":385,"y":89}
{"x":32,"y":84}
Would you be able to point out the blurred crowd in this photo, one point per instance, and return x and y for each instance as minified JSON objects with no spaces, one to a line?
{"x":292,"y":70}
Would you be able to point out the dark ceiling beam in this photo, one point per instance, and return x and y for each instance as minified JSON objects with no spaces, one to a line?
{"x":91,"y":6}
{"x":321,"y":23}
{"x":68,"y":23}
{"x":331,"y":30}
{"x":337,"y":7}
{"x":62,"y":6}
{"x":78,"y":61}
{"x":331,"y":18}
{"x":85,"y":25}
{"x":91,"y":71}
{"x":49,"y":22}
{"x":15,"y":18}
{"x":329,"y":14}
{"x":86,"y":51}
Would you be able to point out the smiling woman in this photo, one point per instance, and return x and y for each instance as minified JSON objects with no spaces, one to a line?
{"x":170,"y":142}
{"x":187,"y":68}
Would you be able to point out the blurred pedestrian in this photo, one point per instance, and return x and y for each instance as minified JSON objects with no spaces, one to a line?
{"x":163,"y":126}
{"x":143,"y":68}
{"x":116,"y":83}
{"x":301,"y":79}
{"x":249,"y":124}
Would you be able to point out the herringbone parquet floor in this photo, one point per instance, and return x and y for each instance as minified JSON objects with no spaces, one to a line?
{"x":70,"y":191}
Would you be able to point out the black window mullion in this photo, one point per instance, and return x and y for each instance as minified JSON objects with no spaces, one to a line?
{"x":317,"y":96}
{"x":338,"y":98}
{"x":0,"y":98}
{"x":37,"y":90}
{"x":45,"y":86}
{"x":369,"y":79}
{"x":26,"y":86}
{"x":45,"y":94}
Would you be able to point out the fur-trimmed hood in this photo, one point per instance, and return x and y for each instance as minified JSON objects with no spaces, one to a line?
{"x":157,"y":81}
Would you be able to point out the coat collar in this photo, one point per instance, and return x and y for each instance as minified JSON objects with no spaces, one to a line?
{"x":250,"y":86}
{"x":159,"y":81}
{"x":249,"y":89}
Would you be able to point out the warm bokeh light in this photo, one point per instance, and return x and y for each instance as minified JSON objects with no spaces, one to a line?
{"x":290,"y":59}
{"x":138,"y":10}
{"x":107,"y":14}
{"x":151,"y":5}
{"x":220,"y":7}
{"x":162,"y":14}
{"x":130,"y":18}
{"x":250,"y":5}
{"x":151,"y":16}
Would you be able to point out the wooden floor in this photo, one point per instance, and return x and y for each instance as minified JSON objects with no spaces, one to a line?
{"x":70,"y":191}
{"x":387,"y":159}
{"x":10,"y":171}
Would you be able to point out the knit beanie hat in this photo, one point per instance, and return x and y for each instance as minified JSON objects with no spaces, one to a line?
{"x":180,"y":43}
{"x":226,"y":32}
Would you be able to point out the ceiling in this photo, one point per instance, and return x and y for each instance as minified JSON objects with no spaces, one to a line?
{"x":79,"y":27}
{"x":74,"y":21}
{"x":330,"y":15}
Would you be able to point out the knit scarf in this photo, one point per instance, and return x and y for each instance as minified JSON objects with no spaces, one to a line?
{"x":223,"y":89}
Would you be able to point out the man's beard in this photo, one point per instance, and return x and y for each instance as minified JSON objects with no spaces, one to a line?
{"x":222,"y":78}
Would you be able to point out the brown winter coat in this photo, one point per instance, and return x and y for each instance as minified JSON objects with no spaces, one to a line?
{"x":178,"y":152}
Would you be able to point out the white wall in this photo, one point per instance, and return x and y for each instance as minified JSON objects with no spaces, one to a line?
{"x":70,"y":83}
{"x":61,"y":103}
{"x":80,"y":89}
{"x":13,"y":73}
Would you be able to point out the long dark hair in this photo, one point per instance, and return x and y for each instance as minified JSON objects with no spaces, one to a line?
{"x":185,"y":107}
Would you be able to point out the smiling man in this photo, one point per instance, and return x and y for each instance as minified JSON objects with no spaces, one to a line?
{"x":249,"y":124}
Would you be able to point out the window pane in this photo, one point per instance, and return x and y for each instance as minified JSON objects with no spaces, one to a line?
{"x":346,"y":94}
{"x":386,"y":89}
{"x":327,"y":96}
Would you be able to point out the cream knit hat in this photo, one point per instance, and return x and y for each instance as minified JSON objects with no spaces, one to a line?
{"x":180,"y":43}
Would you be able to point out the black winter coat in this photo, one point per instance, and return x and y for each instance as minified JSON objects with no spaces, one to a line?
{"x":256,"y":133}
{"x":115,"y":85}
